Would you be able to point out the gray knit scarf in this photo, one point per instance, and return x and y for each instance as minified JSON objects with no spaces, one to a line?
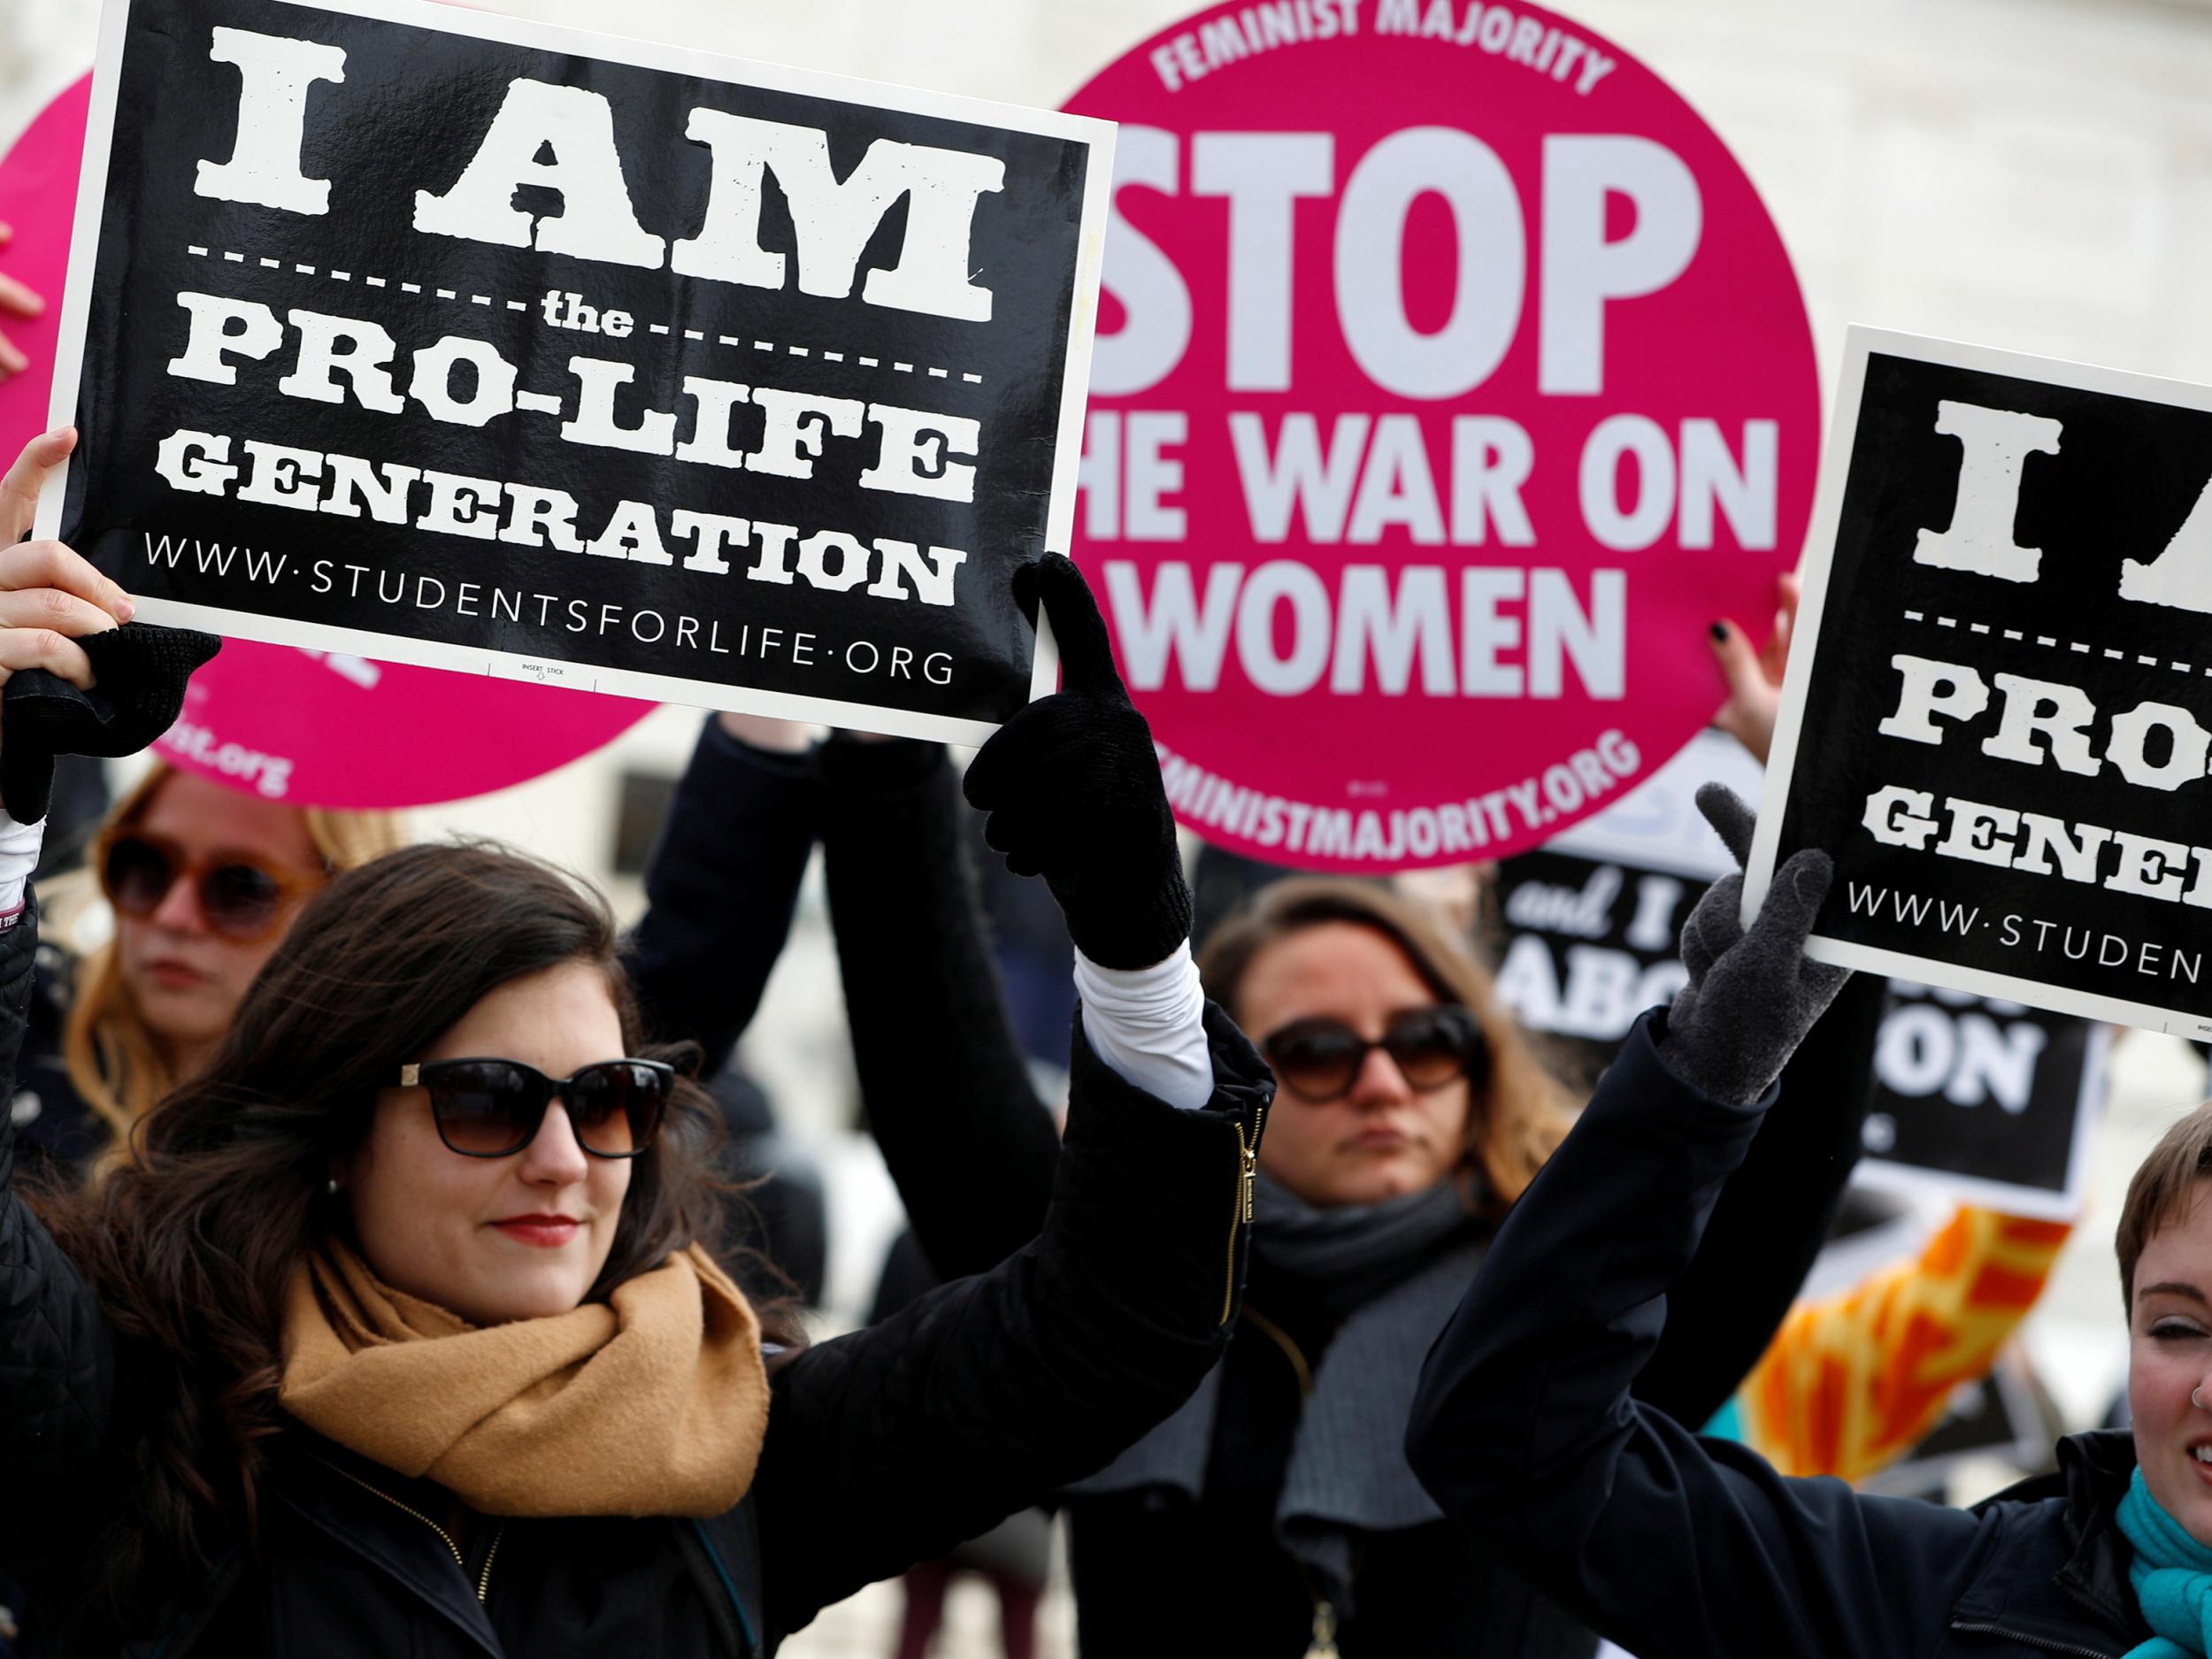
{"x":1391,"y":1274}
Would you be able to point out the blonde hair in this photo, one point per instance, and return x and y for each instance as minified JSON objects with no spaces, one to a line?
{"x":1517,"y":1111}
{"x":114,"y":1063}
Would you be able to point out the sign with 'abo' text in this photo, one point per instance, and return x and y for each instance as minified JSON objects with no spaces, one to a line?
{"x":1451,"y":380}
{"x":1998,"y":716}
{"x":411,"y":333}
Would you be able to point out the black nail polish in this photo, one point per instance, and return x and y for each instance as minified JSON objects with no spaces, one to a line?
{"x":1720,"y":632}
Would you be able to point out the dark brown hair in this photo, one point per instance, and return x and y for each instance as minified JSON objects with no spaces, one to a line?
{"x":2163,"y":1186}
{"x":1517,"y":1114}
{"x":191,"y":1241}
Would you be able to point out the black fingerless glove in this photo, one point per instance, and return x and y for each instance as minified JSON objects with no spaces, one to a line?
{"x":1753,"y":993}
{"x":1072,"y":786}
{"x":139,"y":675}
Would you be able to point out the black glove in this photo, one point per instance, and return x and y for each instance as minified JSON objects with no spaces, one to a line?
{"x":139,"y":675}
{"x":1072,"y":786}
{"x":1753,"y":993}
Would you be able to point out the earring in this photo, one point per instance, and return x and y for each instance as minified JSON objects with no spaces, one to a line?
{"x":333,"y":1186}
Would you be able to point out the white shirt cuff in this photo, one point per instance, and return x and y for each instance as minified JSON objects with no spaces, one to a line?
{"x":18,"y":857}
{"x":1149,"y":1025}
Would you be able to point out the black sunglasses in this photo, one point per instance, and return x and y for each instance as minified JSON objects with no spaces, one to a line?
{"x":493,"y":1109}
{"x":1317,"y":1059}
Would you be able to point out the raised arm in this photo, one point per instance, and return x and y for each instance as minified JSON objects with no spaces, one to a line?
{"x":891,"y":1445}
{"x":75,"y":679}
{"x":1772,"y":1219}
{"x":947,"y":1092}
{"x":720,"y":890}
{"x":1526,"y":1428}
{"x":888,"y":1446}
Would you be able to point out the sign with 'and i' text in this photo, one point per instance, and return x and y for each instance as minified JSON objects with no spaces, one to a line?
{"x":408,"y":332}
{"x":1451,"y":380}
{"x":1998,"y":717}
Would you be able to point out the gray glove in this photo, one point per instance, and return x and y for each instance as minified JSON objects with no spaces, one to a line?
{"x":1753,"y":994}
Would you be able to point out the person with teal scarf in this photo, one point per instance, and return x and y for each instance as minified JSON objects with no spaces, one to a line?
{"x":2171,"y":1576}
{"x":1676,"y":1546}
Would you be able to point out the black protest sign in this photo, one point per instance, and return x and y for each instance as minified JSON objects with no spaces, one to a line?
{"x":444,"y":338}
{"x":1987,"y":1100}
{"x":1999,"y":716}
{"x":1977,"y":1101}
{"x":1584,"y":947}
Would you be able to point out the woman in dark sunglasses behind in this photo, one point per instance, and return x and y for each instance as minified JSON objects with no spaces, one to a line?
{"x":396,"y":1334}
{"x":201,"y":881}
{"x":1409,"y":1114}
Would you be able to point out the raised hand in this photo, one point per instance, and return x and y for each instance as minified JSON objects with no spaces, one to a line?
{"x":104,"y":689}
{"x":1072,"y":786}
{"x":1754,"y":675}
{"x":16,"y":300}
{"x":49,"y":597}
{"x":1753,"y":992}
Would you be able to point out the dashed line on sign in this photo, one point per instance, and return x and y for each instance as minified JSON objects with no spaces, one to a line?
{"x":666,"y":331}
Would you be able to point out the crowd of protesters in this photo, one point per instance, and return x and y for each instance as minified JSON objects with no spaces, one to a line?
{"x":374,"y":1277}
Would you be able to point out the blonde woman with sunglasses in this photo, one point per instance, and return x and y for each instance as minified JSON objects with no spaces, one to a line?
{"x":202,"y":882}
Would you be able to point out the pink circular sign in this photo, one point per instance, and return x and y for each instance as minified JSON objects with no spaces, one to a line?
{"x":310,"y":727}
{"x":38,"y":199}
{"x":324,"y":729}
{"x":1451,"y":380}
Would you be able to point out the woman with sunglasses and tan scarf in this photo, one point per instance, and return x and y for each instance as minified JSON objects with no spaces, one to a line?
{"x":396,"y":1335}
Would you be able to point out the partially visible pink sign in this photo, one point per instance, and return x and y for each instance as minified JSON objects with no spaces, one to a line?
{"x":312,"y":728}
{"x":38,"y":198}
{"x":323,"y":729}
{"x":1450,"y":380}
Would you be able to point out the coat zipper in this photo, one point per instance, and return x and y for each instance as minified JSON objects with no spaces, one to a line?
{"x":1966,"y":1628}
{"x":484,"y":1580}
{"x":1240,"y":1215}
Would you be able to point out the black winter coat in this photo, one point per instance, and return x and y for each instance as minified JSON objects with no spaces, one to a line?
{"x":884,"y":1448}
{"x":1528,"y":1429}
{"x":972,"y":1149}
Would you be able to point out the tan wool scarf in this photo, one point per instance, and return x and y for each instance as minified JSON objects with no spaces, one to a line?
{"x":654,"y":1404}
